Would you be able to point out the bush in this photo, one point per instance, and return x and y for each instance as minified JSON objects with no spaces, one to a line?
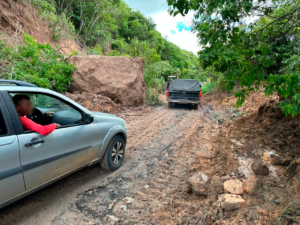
{"x":153,"y":97}
{"x":207,"y":87}
{"x":35,"y":63}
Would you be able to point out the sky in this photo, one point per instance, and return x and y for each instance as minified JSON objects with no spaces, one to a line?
{"x":176,"y":29}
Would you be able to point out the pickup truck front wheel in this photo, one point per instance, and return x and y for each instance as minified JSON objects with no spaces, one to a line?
{"x":114,"y":154}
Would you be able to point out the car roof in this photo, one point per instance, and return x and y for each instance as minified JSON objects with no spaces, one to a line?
{"x":25,"y":89}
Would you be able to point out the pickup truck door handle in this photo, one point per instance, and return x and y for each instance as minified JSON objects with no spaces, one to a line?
{"x":35,"y":143}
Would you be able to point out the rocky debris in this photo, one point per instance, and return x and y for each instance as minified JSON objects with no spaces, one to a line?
{"x":234,"y":186}
{"x":259,"y":167}
{"x":111,"y":220}
{"x":199,"y":183}
{"x":276,"y":159}
{"x":231,"y":202}
{"x":94,"y":102}
{"x":216,"y":185}
{"x":286,"y":162}
{"x":119,"y":78}
{"x":251,"y":186}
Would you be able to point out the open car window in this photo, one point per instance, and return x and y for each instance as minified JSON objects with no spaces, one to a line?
{"x":48,"y":110}
{"x":3,"y":128}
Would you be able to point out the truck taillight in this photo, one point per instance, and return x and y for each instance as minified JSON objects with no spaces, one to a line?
{"x":200,"y":96}
{"x":167,"y":94}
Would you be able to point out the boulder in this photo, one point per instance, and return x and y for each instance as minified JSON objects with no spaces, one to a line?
{"x":119,"y":78}
{"x":259,"y":167}
{"x":199,"y":183}
{"x":251,"y":186}
{"x":234,"y":186}
{"x":231,"y":202}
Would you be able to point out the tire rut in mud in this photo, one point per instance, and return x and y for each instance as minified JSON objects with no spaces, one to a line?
{"x":99,"y":201}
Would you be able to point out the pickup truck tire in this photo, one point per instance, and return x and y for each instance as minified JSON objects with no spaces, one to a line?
{"x":170,"y":105}
{"x":196,"y":106}
{"x":114,"y":154}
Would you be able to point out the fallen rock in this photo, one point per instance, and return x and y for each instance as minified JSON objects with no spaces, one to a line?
{"x":276,"y":159}
{"x":111,"y":220}
{"x":234,"y":186}
{"x":251,"y":186}
{"x":119,"y":78}
{"x":259,"y":167}
{"x":199,"y":183}
{"x":93,"y":102}
{"x":286,"y":162}
{"x":231,"y":202}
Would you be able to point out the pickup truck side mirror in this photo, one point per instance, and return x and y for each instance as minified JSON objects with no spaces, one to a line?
{"x":89,"y":118}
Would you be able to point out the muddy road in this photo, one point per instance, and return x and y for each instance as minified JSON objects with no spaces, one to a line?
{"x":161,"y":147}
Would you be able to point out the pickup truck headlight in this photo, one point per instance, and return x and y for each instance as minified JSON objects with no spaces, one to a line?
{"x":125,"y":125}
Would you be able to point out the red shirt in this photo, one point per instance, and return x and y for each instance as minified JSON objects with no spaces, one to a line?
{"x":28,"y":124}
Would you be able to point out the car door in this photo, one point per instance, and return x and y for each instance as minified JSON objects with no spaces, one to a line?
{"x":11,"y":172}
{"x":71,"y":146}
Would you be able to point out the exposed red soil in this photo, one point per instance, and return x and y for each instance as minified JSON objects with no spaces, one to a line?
{"x":20,"y":16}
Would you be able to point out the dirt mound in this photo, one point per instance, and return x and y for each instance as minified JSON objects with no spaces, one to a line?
{"x":119,"y":78}
{"x":20,"y":16}
{"x":261,"y":130}
{"x":93,"y":102}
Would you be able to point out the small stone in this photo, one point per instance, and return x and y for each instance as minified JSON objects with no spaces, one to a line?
{"x":129,"y":200}
{"x":286,"y":162}
{"x":199,"y":183}
{"x":111,"y":220}
{"x":234,"y":186}
{"x":124,"y":207}
{"x":231,"y":202}
{"x":276,"y":159}
{"x":266,"y":156}
{"x":146,"y":186}
{"x":259,"y":167}
{"x":251,"y":186}
{"x":277,"y":200}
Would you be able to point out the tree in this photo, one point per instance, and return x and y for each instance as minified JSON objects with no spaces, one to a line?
{"x":249,"y":41}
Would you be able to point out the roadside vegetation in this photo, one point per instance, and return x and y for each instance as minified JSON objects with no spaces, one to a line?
{"x":250,"y":43}
{"x":105,"y":27}
{"x":35,"y":63}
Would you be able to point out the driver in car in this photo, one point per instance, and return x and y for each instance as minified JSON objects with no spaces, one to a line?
{"x":24,"y":108}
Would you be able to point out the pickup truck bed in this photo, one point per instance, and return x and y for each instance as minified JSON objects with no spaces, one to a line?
{"x":184,"y":92}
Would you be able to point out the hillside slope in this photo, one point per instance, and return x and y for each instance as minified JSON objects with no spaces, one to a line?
{"x":20,"y":16}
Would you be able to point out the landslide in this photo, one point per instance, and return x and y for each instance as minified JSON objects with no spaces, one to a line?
{"x":119,"y":78}
{"x":20,"y":16}
{"x":258,"y":130}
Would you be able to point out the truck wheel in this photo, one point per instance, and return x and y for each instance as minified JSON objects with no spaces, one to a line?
{"x":196,"y":106}
{"x":114,"y":154}
{"x":170,"y":104}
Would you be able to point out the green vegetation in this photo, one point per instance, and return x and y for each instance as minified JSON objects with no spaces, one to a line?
{"x":250,"y":43}
{"x":35,"y":63}
{"x":102,"y":27}
{"x":207,"y":87}
{"x":110,"y":27}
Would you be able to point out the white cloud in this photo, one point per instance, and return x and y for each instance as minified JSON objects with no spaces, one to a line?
{"x":165,"y":24}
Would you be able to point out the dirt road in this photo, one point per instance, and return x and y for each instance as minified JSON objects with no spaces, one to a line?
{"x":161,"y":147}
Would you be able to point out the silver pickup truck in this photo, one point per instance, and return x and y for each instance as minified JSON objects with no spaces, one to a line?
{"x":181,"y":91}
{"x":30,"y":161}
